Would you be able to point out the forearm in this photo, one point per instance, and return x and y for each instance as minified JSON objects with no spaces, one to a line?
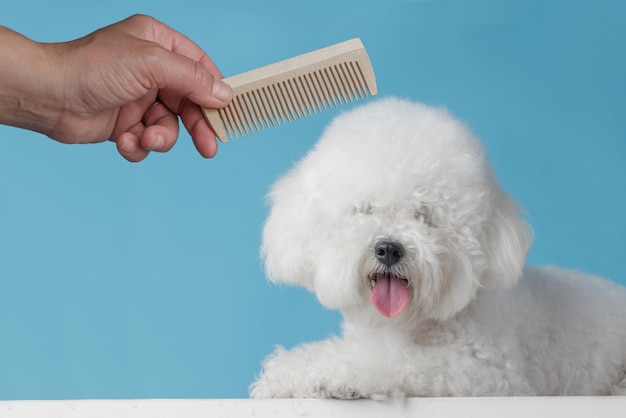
{"x":30,"y":94}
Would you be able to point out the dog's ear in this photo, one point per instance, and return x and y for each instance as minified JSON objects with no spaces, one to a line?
{"x":286,"y":235}
{"x":506,"y":240}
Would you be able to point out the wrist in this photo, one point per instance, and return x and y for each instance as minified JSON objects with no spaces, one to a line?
{"x":30,"y":93}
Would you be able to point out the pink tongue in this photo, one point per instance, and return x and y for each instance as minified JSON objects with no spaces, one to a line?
{"x":390,"y":295}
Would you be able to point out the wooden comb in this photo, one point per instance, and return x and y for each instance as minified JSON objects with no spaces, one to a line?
{"x":293,"y":88}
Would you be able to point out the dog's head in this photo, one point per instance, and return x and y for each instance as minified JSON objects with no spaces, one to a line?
{"x":394,"y":211}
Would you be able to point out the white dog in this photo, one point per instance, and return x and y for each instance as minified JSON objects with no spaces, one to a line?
{"x":396,"y":219}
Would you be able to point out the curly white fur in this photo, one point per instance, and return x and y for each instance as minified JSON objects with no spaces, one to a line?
{"x":476,"y":321}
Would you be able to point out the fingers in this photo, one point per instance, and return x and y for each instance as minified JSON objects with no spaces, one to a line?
{"x":188,"y":79}
{"x":179,"y":64}
{"x":183,"y":46}
{"x":129,"y":147}
{"x":178,"y":43}
{"x":161,"y":128}
{"x":184,"y":77}
{"x":157,"y":131}
{"x":202,"y":135}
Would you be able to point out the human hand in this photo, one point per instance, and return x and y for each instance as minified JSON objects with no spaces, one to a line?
{"x":128,"y":83}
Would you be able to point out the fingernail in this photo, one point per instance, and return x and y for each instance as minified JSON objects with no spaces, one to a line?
{"x":156,"y":142}
{"x":222,"y":91}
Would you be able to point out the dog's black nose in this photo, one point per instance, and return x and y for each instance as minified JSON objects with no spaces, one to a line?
{"x":389,"y":252}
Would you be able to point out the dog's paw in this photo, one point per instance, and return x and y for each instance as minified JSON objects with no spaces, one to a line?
{"x":306,"y":372}
{"x":348,"y":392}
{"x":264,"y":388}
{"x":344,"y":393}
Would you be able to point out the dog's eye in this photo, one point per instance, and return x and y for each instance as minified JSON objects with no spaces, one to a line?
{"x":366,"y":209}
{"x":423,"y":214}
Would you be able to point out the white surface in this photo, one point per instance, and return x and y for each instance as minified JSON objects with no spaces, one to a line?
{"x":571,"y":407}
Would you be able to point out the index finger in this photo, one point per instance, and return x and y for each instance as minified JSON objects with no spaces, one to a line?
{"x":175,"y":41}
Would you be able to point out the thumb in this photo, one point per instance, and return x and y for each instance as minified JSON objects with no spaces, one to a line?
{"x":182,"y":77}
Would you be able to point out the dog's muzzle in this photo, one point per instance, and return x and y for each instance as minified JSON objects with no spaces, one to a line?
{"x":389,"y":291}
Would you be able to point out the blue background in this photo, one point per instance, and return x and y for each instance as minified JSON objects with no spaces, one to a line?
{"x":122,"y":280}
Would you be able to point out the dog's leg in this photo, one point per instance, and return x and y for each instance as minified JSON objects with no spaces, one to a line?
{"x":327,"y":369}
{"x":369,"y":368}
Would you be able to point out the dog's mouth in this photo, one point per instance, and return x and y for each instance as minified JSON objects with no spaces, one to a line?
{"x":389,"y":294}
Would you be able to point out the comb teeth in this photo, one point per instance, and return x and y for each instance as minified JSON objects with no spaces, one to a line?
{"x":294,"y":88}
